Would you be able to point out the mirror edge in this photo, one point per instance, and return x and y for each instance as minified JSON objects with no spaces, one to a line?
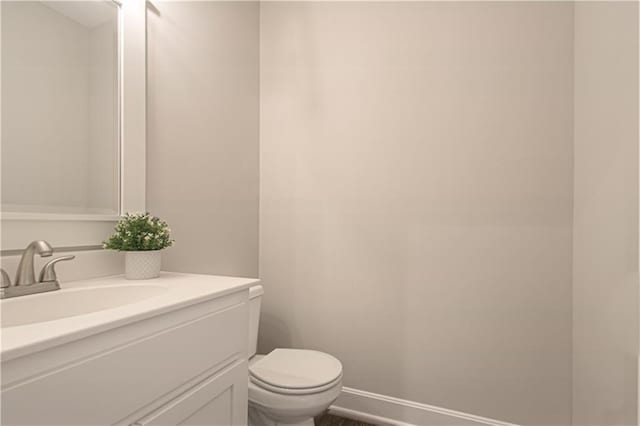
{"x":78,"y":230}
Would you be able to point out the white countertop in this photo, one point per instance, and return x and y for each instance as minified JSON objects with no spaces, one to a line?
{"x":181,"y":290}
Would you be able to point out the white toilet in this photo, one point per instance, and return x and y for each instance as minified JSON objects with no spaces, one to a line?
{"x":288,"y":386}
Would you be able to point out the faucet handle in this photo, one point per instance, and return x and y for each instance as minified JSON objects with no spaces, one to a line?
{"x":6,"y":280}
{"x":48,"y":272}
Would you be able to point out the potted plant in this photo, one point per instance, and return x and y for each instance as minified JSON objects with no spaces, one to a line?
{"x":141,"y":236}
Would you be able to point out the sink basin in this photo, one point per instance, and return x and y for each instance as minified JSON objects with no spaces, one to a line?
{"x":37,"y":322}
{"x":65,"y":303}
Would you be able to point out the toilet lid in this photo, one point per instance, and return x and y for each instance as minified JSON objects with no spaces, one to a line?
{"x":296,"y":369}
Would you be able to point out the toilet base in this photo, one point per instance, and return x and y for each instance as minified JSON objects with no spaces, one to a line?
{"x":258,"y":418}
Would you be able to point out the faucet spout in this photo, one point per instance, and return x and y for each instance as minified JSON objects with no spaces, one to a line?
{"x":26,"y":274}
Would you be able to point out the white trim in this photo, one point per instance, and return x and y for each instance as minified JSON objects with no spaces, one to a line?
{"x":59,"y":216}
{"x":386,"y":410}
{"x":73,"y":230}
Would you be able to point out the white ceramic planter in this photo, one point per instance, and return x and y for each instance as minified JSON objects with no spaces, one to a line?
{"x":142,"y":265}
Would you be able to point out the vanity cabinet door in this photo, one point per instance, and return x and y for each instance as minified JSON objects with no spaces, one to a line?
{"x":220,"y":400}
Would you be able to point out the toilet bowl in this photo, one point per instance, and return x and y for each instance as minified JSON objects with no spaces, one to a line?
{"x":288,"y":386}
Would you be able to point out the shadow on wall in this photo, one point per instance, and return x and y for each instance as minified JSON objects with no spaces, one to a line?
{"x":273,"y":334}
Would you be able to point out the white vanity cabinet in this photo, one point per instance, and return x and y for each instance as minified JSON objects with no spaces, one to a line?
{"x":184,"y":363}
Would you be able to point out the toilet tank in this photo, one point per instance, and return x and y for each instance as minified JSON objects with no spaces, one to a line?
{"x":255,"y":300}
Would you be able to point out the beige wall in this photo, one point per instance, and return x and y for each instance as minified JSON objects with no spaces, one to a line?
{"x":87,"y":265}
{"x":605,"y":268}
{"x":416,"y":198}
{"x":202,"y":133}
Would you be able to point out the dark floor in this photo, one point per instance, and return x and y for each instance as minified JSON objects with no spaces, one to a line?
{"x":329,"y":420}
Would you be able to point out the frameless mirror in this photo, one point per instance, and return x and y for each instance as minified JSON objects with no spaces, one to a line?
{"x":60,"y":107}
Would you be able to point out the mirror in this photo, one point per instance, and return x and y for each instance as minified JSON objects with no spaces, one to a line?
{"x":60,"y":107}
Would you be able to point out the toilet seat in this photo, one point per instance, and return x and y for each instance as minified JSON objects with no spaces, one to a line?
{"x":295,"y":372}
{"x":286,"y":391}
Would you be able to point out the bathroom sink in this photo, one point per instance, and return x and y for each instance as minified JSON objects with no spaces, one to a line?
{"x":183,"y":336}
{"x":89,"y":307}
{"x":73,"y":302}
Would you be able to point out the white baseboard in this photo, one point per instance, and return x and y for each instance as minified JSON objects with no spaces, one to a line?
{"x":385,"y":410}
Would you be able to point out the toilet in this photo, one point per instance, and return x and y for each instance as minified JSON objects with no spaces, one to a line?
{"x":288,"y":386}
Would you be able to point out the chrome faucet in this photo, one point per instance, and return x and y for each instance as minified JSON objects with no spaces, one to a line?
{"x":25,"y":282}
